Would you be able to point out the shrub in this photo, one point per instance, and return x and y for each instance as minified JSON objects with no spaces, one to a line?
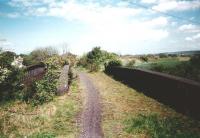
{"x":10,"y":82}
{"x":39,"y":55}
{"x":94,"y":59}
{"x":162,"y":55}
{"x":113,"y":63}
{"x":45,"y":89}
{"x":82,"y":61}
{"x":144,"y":58}
{"x":6,"y":58}
{"x":131,"y":63}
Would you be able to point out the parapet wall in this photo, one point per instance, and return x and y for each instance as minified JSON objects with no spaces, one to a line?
{"x":181,"y":94}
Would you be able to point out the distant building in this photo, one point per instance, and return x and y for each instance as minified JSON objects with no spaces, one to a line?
{"x":18,"y":62}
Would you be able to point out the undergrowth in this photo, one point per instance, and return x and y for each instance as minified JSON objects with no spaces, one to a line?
{"x":157,"y":127}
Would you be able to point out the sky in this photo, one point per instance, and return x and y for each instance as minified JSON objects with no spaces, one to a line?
{"x":121,"y":26}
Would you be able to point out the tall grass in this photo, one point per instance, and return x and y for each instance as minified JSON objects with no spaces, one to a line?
{"x":157,"y":127}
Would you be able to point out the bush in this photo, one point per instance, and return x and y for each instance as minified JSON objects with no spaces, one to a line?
{"x":10,"y":84}
{"x":131,"y":63}
{"x":94,"y":59}
{"x":6,"y":58}
{"x":39,"y":55}
{"x":144,"y":58}
{"x":83,"y":61}
{"x":44,"y":90}
{"x":113,"y":63}
{"x":163,"y":55}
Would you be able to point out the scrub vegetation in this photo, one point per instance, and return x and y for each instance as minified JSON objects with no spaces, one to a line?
{"x":32,"y":109}
{"x":57,"y":118}
{"x":128,"y":113}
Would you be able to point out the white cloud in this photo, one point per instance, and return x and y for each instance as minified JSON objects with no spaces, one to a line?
{"x":197,"y":36}
{"x":193,"y":38}
{"x":160,"y":21}
{"x":189,"y":28}
{"x":5,"y":44}
{"x":149,"y":1}
{"x":108,"y":25}
{"x":188,"y":38}
{"x":168,"y":5}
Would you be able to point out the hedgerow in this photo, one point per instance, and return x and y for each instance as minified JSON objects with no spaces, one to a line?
{"x":45,"y":89}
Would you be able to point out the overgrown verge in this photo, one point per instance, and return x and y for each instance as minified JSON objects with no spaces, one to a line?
{"x":128,"y":113}
{"x":155,"y":126}
{"x":44,"y":90}
{"x":53,"y":119}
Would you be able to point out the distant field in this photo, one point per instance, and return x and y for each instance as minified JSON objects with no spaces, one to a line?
{"x":178,"y":66}
{"x":169,"y":62}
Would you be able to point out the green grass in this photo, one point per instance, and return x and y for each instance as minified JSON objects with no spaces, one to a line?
{"x":43,"y":135}
{"x":53,"y":119}
{"x":127,"y":113}
{"x":168,"y":62}
{"x":157,"y":127}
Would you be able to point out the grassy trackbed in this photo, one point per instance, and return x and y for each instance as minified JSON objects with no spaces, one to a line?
{"x":55,"y":119}
{"x":129,"y":114}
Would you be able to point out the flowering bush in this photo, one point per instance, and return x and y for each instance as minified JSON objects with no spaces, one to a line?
{"x":45,"y":89}
{"x":4,"y":73}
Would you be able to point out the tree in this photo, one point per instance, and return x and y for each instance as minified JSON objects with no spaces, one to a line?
{"x":131,"y":63}
{"x":39,"y":55}
{"x":6,"y":58}
{"x":94,"y":59}
{"x":144,"y":58}
{"x":113,"y":63}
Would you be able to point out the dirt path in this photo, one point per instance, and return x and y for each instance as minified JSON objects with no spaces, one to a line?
{"x":91,"y":115}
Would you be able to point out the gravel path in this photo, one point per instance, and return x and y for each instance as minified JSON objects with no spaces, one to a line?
{"x":91,"y":115}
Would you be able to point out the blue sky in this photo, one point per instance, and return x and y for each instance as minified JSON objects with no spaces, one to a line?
{"x":119,"y":26}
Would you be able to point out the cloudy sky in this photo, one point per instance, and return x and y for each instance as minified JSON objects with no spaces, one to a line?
{"x":122,"y":26}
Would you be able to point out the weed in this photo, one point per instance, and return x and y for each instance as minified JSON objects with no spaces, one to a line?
{"x":43,"y":135}
{"x":156,"y":127}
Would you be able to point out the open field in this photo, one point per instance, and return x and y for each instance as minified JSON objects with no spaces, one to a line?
{"x":128,"y":113}
{"x":54,"y":119}
{"x":169,"y":62}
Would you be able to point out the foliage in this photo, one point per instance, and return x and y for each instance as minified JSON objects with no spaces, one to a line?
{"x":45,"y":89}
{"x":4,"y":73}
{"x":39,"y":55}
{"x":69,"y":58}
{"x":6,"y":58}
{"x":53,"y":119}
{"x":95,"y":59}
{"x":156,"y":127}
{"x":82,"y":61}
{"x":144,"y":58}
{"x":162,"y":55}
{"x":113,"y":63}
{"x":131,"y":63}
{"x":187,"y":69}
{"x":9,"y":76}
{"x":43,"y":135}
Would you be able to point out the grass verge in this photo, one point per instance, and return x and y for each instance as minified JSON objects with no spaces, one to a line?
{"x":54,"y":119}
{"x":128,"y":113}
